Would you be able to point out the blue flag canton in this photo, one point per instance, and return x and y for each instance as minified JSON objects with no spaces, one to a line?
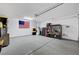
{"x":21,"y":22}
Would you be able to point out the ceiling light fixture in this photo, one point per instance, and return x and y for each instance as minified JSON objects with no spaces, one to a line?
{"x":46,"y":10}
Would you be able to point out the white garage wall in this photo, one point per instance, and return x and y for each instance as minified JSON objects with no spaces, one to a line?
{"x":71,"y":32}
{"x":78,"y":28}
{"x":14,"y":30}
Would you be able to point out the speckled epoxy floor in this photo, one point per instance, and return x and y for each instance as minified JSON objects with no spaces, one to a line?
{"x":40,"y":45}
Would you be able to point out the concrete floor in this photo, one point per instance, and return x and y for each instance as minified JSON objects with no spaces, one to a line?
{"x":40,"y":45}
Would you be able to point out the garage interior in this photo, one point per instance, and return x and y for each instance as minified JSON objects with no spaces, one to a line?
{"x":39,"y":28}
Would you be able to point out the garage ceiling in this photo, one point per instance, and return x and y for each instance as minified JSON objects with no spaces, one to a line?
{"x":14,"y":10}
{"x":22,"y":9}
{"x":65,"y":10}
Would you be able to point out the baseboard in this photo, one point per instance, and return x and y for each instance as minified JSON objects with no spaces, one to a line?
{"x":70,"y":40}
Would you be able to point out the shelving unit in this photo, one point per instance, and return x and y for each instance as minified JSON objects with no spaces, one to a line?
{"x":53,"y":31}
{"x":3,"y":32}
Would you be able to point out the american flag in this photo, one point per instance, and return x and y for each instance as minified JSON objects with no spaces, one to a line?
{"x":24,"y":24}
